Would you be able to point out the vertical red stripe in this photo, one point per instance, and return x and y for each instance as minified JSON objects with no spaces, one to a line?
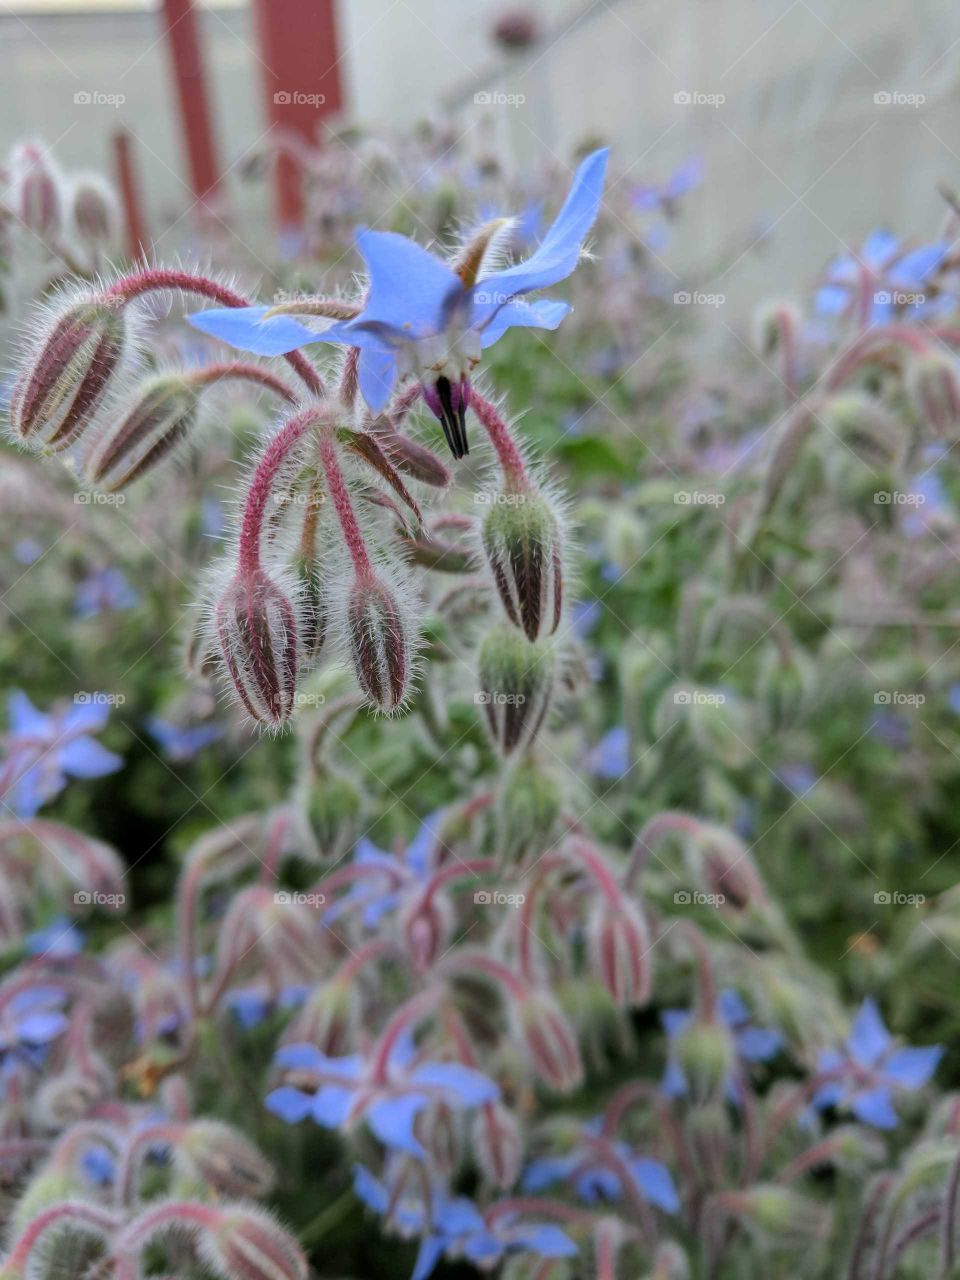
{"x":183,"y":38}
{"x":301,"y":80}
{"x":135,"y":228}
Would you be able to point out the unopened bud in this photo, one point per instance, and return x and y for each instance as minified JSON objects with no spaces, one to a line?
{"x":36,"y":190}
{"x":781,"y":1215}
{"x":94,"y":210}
{"x":620,"y":951}
{"x":222,"y":1158}
{"x":332,"y":809}
{"x":527,"y":812}
{"x":497,"y":1144}
{"x":257,"y":624}
{"x":705,"y":1053}
{"x":326,"y":1019}
{"x":439,"y":1131}
{"x":62,"y":386}
{"x":516,"y":681}
{"x":414,"y":459}
{"x":933,"y":385}
{"x":161,"y":414}
{"x":427,"y":926}
{"x":248,"y":1244}
{"x":523,"y":543}
{"x":380,"y":643}
{"x":550,"y":1042}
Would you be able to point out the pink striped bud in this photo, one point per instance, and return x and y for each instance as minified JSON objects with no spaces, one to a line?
{"x":497,"y":1144}
{"x":523,"y":543}
{"x":550,"y":1042}
{"x":516,"y":681}
{"x":64,"y":383}
{"x":161,"y":414}
{"x":427,"y":926}
{"x":380,"y":642}
{"x":439,"y":1131}
{"x":37,"y":190}
{"x":933,"y":385}
{"x":247,"y":1244}
{"x":94,"y":211}
{"x":222,"y":1157}
{"x":414,"y":459}
{"x":257,"y":624}
{"x":619,"y":943}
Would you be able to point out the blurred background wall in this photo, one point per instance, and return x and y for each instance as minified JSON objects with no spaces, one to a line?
{"x":806,"y":112}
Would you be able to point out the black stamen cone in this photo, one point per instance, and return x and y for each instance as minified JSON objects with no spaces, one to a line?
{"x":453,"y":421}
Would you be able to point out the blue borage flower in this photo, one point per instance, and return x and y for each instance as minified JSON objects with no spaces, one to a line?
{"x":44,"y":750}
{"x":180,"y":743}
{"x":377,"y":896}
{"x":872,"y":1069}
{"x":425,"y":318}
{"x":453,"y":1225}
{"x":347,"y":1091}
{"x":30,"y":1021}
{"x":650,"y":197}
{"x":610,"y":758}
{"x":595,"y":1181}
{"x":752,"y":1043}
{"x":104,"y":591}
{"x":882,"y":269}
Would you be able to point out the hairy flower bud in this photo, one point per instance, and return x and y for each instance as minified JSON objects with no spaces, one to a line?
{"x":619,"y":943}
{"x":933,"y":385}
{"x":64,"y":382}
{"x":497,"y":1144}
{"x":780,"y":1215}
{"x":414,"y":459}
{"x":706,"y":1055}
{"x":550,"y":1042}
{"x":326,"y":1019}
{"x":36,"y":190}
{"x":256,"y":622}
{"x":222,"y":1158}
{"x":527,"y":812}
{"x":380,"y":643}
{"x":427,"y":926}
{"x":162,"y":414}
{"x":522,"y":540}
{"x":247,"y":1244}
{"x":516,"y":681}
{"x":94,"y":210}
{"x":332,"y":809}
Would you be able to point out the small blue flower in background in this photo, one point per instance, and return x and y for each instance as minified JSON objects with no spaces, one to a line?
{"x":250,"y":1005}
{"x":664,"y":196}
{"x":27,"y":550}
{"x":59,"y":939}
{"x":883,"y":268}
{"x":45,"y":750}
{"x":99,"y":1165}
{"x":105,"y":591}
{"x":179,"y":743}
{"x":872,"y":1070}
{"x":379,"y":895}
{"x":930,"y":504}
{"x":610,"y":758}
{"x":953,"y":698}
{"x":348,"y":1092}
{"x":424,"y":318}
{"x":30,"y":1021}
{"x":453,"y":1225}
{"x":586,"y":615}
{"x":798,"y":778}
{"x":595,"y":1181}
{"x":752,"y":1043}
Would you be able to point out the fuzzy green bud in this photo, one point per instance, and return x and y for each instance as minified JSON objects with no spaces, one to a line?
{"x":516,"y":681}
{"x":522,"y":540}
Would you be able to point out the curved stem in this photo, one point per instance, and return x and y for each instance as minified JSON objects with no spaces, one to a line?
{"x":511,"y":461}
{"x":340,"y":496}
{"x":141,"y":282}
{"x":241,"y":371}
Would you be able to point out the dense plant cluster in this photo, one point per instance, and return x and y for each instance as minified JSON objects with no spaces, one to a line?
{"x":541,"y":855}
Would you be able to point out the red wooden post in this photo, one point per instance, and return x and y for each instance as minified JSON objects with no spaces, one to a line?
{"x":138,"y":241}
{"x":301,"y":80}
{"x":183,"y":38}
